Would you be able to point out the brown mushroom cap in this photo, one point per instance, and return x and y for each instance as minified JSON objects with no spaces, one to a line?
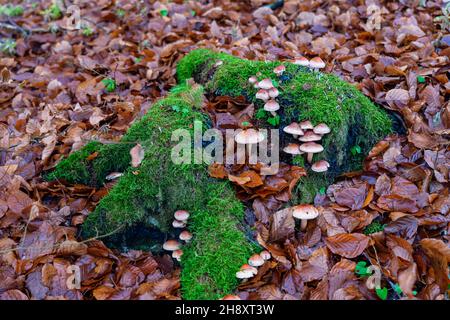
{"x":249,"y":136}
{"x":262,"y":95}
{"x":293,"y":128}
{"x":273,"y":92}
{"x":292,"y":148}
{"x":247,"y":267}
{"x":305,"y":212}
{"x":306,"y":125}
{"x":231,"y":297}
{"x":253,"y":80}
{"x":271,"y":106}
{"x":181,"y":215}
{"x":171,"y":245}
{"x":265,"y":84}
{"x":178,"y":224}
{"x":321,"y":128}
{"x":256,"y":260}
{"x":244,"y":274}
{"x":320,"y":166}
{"x":310,"y":136}
{"x":311,"y":147}
{"x":177,"y":254}
{"x":301,"y":61}
{"x":316,"y":63}
{"x":265,"y":255}
{"x":185,"y":236}
{"x":279,"y":70}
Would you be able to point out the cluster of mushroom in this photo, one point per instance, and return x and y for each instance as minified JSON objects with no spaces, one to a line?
{"x":180,"y":221}
{"x":249,"y":269}
{"x":309,"y":135}
{"x":315,"y":63}
{"x":267,"y":91}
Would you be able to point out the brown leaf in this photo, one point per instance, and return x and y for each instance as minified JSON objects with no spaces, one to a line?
{"x":137,"y":155}
{"x":282,"y":224}
{"x":407,"y":278}
{"x":348,"y":245}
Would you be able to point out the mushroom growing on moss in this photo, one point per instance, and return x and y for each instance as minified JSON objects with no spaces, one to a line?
{"x":171,"y":245}
{"x":310,"y":136}
{"x":252,"y":80}
{"x":292,"y":148}
{"x":273,"y":92}
{"x":294,"y":129}
{"x":256,"y":260}
{"x":178,"y":224}
{"x":177,"y":254}
{"x":231,"y":297}
{"x":181,"y":215}
{"x":262,"y":95}
{"x":265,"y":84}
{"x":249,"y":137}
{"x":306,"y":125}
{"x":320,"y":166}
{"x":321,"y":129}
{"x":185,"y":236}
{"x":301,"y":61}
{"x":279,"y":70}
{"x":272,"y":106}
{"x":310,"y":148}
{"x":265,"y":255}
{"x":304,"y":212}
{"x":316,"y":63}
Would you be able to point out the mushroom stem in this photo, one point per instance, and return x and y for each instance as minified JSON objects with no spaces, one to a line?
{"x":273,"y":113}
{"x":310,"y":157}
{"x":303,"y":224}
{"x":295,"y":136}
{"x":249,"y":150}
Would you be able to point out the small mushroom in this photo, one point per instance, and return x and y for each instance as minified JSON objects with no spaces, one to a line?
{"x":301,"y":61}
{"x":306,"y":125}
{"x":310,"y":136}
{"x":279,"y":70}
{"x":249,"y":137}
{"x":316,"y":63}
{"x":244,"y":274}
{"x":294,"y":129}
{"x":292,"y":148}
{"x":304,"y":212}
{"x":185,"y":236}
{"x":171,"y":245}
{"x":320,"y":166}
{"x":252,"y":269}
{"x":273,"y":92}
{"x":252,"y":80}
{"x":178,"y":224}
{"x":177,"y":254}
{"x":181,"y":215}
{"x":231,"y":297}
{"x":265,"y":84}
{"x":321,"y":129}
{"x":265,"y":255}
{"x":310,"y":148}
{"x":256,"y":260}
{"x":262,"y":95}
{"x":272,"y":106}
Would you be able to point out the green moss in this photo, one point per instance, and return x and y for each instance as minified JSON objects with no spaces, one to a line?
{"x":147,"y":196}
{"x":304,"y":95}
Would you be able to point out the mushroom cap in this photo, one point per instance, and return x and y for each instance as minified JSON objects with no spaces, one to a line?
{"x":177,"y":254}
{"x":249,"y":136}
{"x":310,"y":136}
{"x":256,"y":260}
{"x":231,"y":297}
{"x":262,"y":95}
{"x":316,"y":63}
{"x":247,"y":267}
{"x":293,"y":128}
{"x":305,"y":212}
{"x":244,"y":274}
{"x":185,"y":235}
{"x":181,"y":215}
{"x":292,"y":148}
{"x":306,"y":125}
{"x":265,"y":84}
{"x":320,"y":166}
{"x":178,"y":224}
{"x":301,"y":61}
{"x":273,"y":92}
{"x":311,"y":147}
{"x":171,"y":245}
{"x":321,"y":128}
{"x":271,"y":105}
{"x":265,"y":255}
{"x":279,"y":70}
{"x":253,"y":80}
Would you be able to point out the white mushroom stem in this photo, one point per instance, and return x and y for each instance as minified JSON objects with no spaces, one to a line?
{"x":249,"y":149}
{"x":273,"y":113}
{"x":310,"y":157}
{"x":303,"y":224}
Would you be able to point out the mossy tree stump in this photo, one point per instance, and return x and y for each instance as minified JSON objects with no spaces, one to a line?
{"x":148,"y":196}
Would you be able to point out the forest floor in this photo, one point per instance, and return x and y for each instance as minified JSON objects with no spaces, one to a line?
{"x":61,"y":88}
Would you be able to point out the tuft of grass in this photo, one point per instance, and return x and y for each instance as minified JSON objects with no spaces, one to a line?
{"x":11,"y":10}
{"x":53,"y":12}
{"x":8,"y":46}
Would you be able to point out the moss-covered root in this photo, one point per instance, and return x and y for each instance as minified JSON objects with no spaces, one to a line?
{"x":149,"y":195}
{"x":356,"y":123}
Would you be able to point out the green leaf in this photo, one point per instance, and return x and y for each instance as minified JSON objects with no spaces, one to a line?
{"x":245,"y":124}
{"x":176,"y":108}
{"x":274,"y":121}
{"x":110,"y":84}
{"x":164,"y":12}
{"x":355,"y":150}
{"x":260,"y":114}
{"x":420,"y":79}
{"x":322,"y":190}
{"x":382,"y":293}
{"x":361,"y":268}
